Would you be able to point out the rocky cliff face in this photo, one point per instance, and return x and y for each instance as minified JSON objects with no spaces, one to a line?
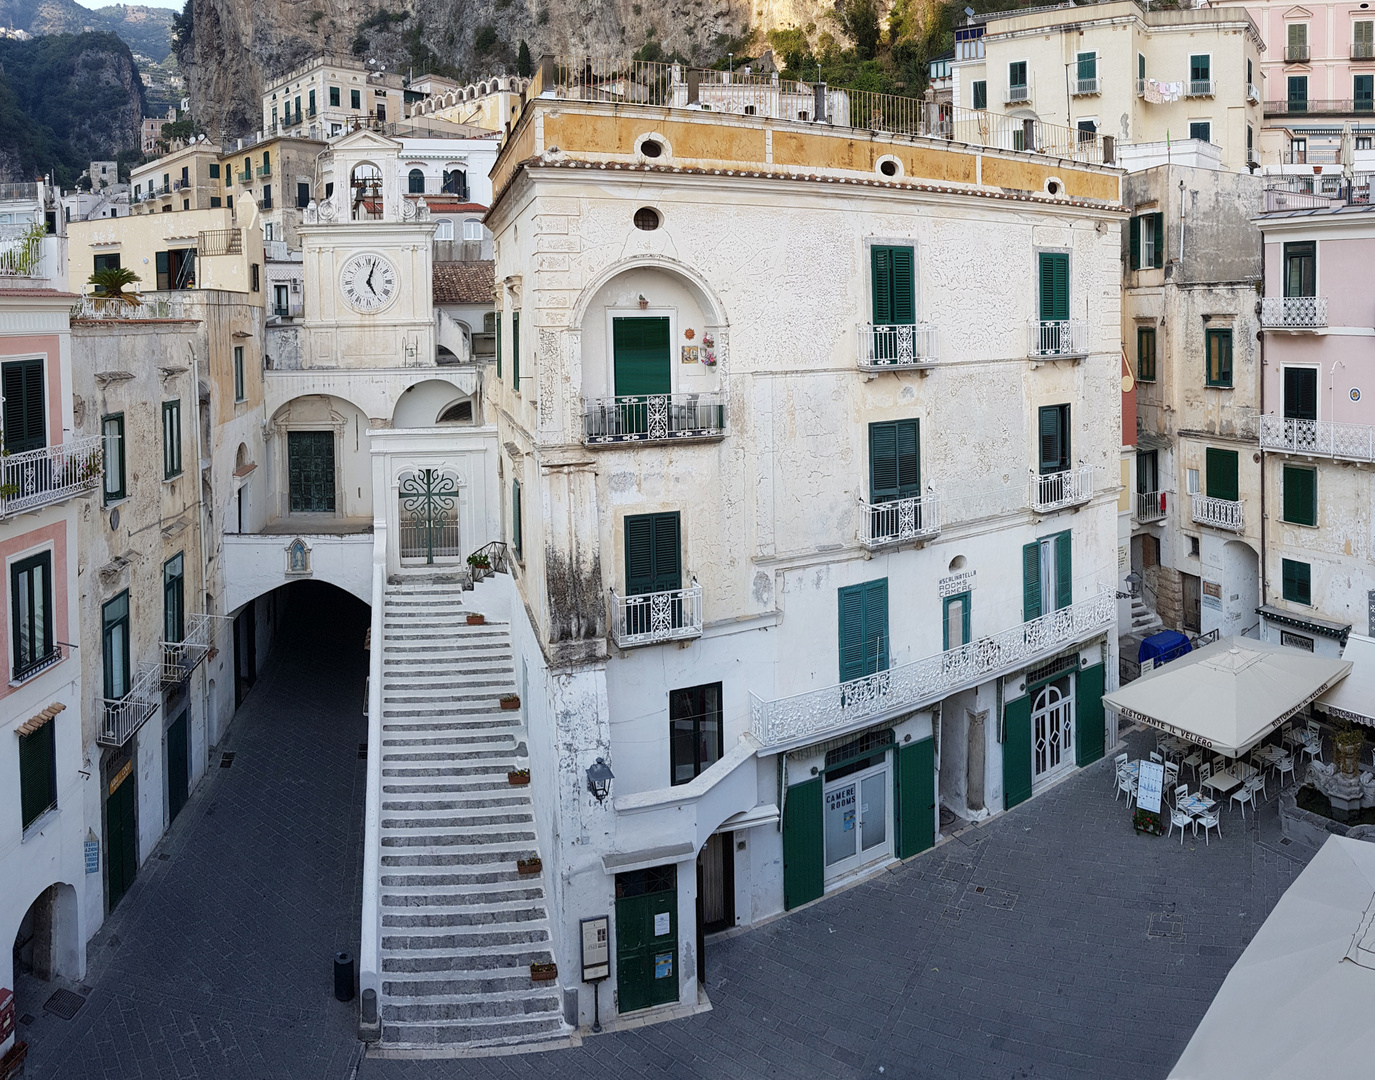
{"x":235,"y":44}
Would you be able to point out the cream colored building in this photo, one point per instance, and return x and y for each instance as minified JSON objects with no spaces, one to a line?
{"x":487,"y":104}
{"x":1120,"y":70}
{"x":186,"y":179}
{"x":329,"y":96}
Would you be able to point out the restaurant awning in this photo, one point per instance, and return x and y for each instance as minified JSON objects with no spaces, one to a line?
{"x":1298,"y":1001}
{"x":1354,"y":697}
{"x":1229,"y":695}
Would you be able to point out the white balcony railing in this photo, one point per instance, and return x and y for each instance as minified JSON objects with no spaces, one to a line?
{"x":886,"y":348}
{"x":23,"y":259}
{"x":813,"y":714}
{"x":1201,"y":88}
{"x":95,"y":307}
{"x":1320,"y":438}
{"x":1052,"y":338}
{"x":897,"y":522}
{"x":650,"y":618}
{"x":1055,"y":491}
{"x":1087,"y":87}
{"x":1017,"y":93}
{"x":37,"y":478}
{"x":124,"y":716}
{"x":1293,"y":312}
{"x":653,"y":418}
{"x":1150,"y":506}
{"x":1218,"y":513}
{"x":179,"y":658}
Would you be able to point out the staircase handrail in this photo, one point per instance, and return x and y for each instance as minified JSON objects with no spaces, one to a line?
{"x":490,"y":558}
{"x":370,"y":940}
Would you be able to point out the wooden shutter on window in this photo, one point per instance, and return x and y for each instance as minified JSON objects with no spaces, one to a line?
{"x":1135,"y":230}
{"x":516,"y":525}
{"x":515,"y":350}
{"x":653,"y":561}
{"x":668,"y":570}
{"x":882,"y":263}
{"x":904,"y":286}
{"x":498,"y":343}
{"x":804,"y":864}
{"x":1300,"y":393}
{"x":1064,"y":573}
{"x":894,"y":285}
{"x":894,"y":461}
{"x":1300,"y":495}
{"x":37,"y":765}
{"x":1031,"y":581}
{"x":1089,"y":728}
{"x":1222,"y":474}
{"x":1016,"y":752}
{"x":640,"y":352}
{"x":1052,"y":439}
{"x":23,"y":414}
{"x":1158,"y":256}
{"x":1054,"y":286}
{"x":863,"y":629}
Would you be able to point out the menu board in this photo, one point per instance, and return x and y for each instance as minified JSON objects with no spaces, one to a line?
{"x":1150,"y":782}
{"x":596,"y":946}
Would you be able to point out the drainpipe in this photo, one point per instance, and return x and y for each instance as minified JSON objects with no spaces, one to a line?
{"x":1264,"y":562}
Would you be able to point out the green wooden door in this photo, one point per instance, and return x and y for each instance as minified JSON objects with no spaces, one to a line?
{"x":1089,"y":734}
{"x":178,"y":767}
{"x":640,"y":351}
{"x":1016,"y":752}
{"x":121,"y":838}
{"x":646,"y":938}
{"x":310,"y":471}
{"x":804,"y":854}
{"x":916,"y":797}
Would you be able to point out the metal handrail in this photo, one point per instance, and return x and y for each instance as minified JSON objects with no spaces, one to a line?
{"x":1293,"y":312}
{"x":651,"y":618}
{"x":496,"y":557}
{"x":653,"y":418}
{"x":1087,"y":87}
{"x":50,"y":474}
{"x":888,"y":347}
{"x":1150,"y":505}
{"x":1057,"y":338}
{"x":1054,"y":491}
{"x":40,"y":665}
{"x":1321,"y":438}
{"x":124,"y":716}
{"x":900,"y":520}
{"x":181,"y":658}
{"x":1218,"y":513}
{"x":1201,"y":88}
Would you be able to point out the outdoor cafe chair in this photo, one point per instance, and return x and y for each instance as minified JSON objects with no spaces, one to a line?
{"x":1171,"y":773}
{"x":1284,"y":765}
{"x":1243,"y":795}
{"x":1126,"y":782}
{"x":1256,"y":782}
{"x":1179,"y":819}
{"x":1205,"y":773}
{"x":1181,"y":793}
{"x":1211,"y":820}
{"x":1194,"y":760}
{"x":1312,"y":745}
{"x":1157,"y":758}
{"x":1118,"y":764}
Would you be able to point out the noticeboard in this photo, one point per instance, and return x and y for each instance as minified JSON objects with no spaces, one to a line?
{"x":1150,"y":781}
{"x":596,"y":948}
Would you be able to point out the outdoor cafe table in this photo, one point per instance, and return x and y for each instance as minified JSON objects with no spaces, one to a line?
{"x":1271,"y":754}
{"x":1194,"y":805}
{"x":1222,"y":782}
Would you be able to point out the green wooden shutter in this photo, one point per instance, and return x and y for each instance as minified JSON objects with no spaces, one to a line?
{"x":1054,"y":286}
{"x":851,"y":603}
{"x":1221,"y":467}
{"x":894,"y":285}
{"x":498,"y":344}
{"x":668,"y":568}
{"x":515,"y":350}
{"x":1135,"y":230}
{"x":876,"y":625}
{"x":37,"y":772}
{"x":1064,"y":573}
{"x":517,"y":541}
{"x":909,"y":459}
{"x":1051,"y":441}
{"x":915,"y":798}
{"x":23,"y":413}
{"x":1300,"y":495}
{"x":1089,"y":734}
{"x":639,"y":554}
{"x":804,"y":853}
{"x":1016,"y":752}
{"x":640,"y":349}
{"x":904,"y":286}
{"x":1158,"y":256}
{"x":863,"y":612}
{"x":1031,"y":581}
{"x":883,"y":462}
{"x":881,"y":261}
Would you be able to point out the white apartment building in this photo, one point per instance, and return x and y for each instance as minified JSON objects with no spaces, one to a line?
{"x":330,"y":95}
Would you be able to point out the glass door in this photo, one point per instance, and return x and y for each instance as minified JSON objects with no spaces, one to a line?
{"x":1052,"y":731}
{"x":857,"y":820}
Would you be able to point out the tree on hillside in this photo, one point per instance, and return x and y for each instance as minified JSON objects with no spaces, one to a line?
{"x":524,"y":66}
{"x":860,"y":21}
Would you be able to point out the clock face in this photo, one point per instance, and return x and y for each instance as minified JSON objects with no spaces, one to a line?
{"x":368,"y":282}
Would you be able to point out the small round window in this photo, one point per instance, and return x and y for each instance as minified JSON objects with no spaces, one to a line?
{"x":647,"y":218}
{"x":651,"y":149}
{"x":888,"y":167}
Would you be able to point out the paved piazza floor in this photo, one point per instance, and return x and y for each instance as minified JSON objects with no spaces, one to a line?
{"x":1052,"y":942}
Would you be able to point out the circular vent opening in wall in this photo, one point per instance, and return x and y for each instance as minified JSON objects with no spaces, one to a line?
{"x":647,"y":218}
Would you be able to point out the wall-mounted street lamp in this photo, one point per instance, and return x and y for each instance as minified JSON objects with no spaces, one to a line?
{"x":599,"y":777}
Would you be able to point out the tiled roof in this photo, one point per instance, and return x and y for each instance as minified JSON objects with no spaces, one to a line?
{"x":441,"y":206}
{"x":464,"y":282}
{"x":33,"y":723}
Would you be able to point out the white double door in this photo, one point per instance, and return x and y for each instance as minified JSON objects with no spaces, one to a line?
{"x":857,"y":819}
{"x":1052,"y":730}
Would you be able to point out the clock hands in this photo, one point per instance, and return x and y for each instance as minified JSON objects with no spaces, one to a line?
{"x":372,"y":269}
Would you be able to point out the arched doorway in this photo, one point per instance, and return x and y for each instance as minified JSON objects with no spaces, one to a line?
{"x":1052,"y":730}
{"x":46,"y":944}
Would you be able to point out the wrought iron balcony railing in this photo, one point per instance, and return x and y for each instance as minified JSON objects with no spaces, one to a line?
{"x":1057,"y":338}
{"x":1293,"y":312}
{"x":1318,"y":438}
{"x":125,"y":715}
{"x":1150,"y":506}
{"x":1362,"y":50}
{"x":1017,"y":93}
{"x":39,"y":665}
{"x":51,"y":474}
{"x":23,"y":259}
{"x":897,"y":522}
{"x":889,"y":348}
{"x":1296,"y":54}
{"x":650,"y":618}
{"x":1201,"y":88}
{"x":1218,"y":513}
{"x":653,"y":418}
{"x":180,"y":658}
{"x":95,"y":307}
{"x":1057,"y":490}
{"x":814,"y":713}
{"x":1087,"y":87}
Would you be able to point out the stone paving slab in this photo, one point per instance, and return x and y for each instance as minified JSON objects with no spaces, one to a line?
{"x":1050,"y":942}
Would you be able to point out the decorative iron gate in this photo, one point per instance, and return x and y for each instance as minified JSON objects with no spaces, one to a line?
{"x":429,"y":516}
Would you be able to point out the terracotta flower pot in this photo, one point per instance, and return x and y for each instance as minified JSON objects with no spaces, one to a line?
{"x":476,"y":620}
{"x":509,"y":702}
{"x":544,"y":972}
{"x":526,"y":867}
{"x":518,"y":777}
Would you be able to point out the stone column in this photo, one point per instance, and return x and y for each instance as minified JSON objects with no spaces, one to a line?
{"x":975,"y":764}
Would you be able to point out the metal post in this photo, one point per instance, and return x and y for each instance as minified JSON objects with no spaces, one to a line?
{"x":596,"y":1008}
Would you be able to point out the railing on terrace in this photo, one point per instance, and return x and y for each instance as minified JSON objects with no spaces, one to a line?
{"x":221,"y":242}
{"x":1150,"y":506}
{"x":1057,"y":338}
{"x":180,"y":658}
{"x":805,"y":716}
{"x":1321,"y":438}
{"x":677,"y":86}
{"x":653,"y":418}
{"x":885,"y":347}
{"x":1201,"y":88}
{"x":99,"y":309}
{"x":18,"y":192}
{"x":1217,"y":513}
{"x":1293,"y":312}
{"x":37,"y":478}
{"x":1294,"y":192}
{"x":23,"y":259}
{"x":266,"y":170}
{"x":650,"y":618}
{"x":1087,"y":87}
{"x":1057,"y":490}
{"x":491,"y":558}
{"x":125,"y":715}
{"x":899,"y":521}
{"x":245,"y":176}
{"x":1310,"y":106}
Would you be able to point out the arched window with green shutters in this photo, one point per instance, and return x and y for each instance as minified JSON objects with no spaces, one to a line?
{"x":894,"y":285}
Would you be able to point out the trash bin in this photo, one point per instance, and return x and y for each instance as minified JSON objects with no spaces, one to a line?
{"x":343,"y":977}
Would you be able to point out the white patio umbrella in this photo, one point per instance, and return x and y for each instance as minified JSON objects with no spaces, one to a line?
{"x":1229,"y":695}
{"x":1298,"y":1001}
{"x":1354,"y":697}
{"x":1348,"y":154}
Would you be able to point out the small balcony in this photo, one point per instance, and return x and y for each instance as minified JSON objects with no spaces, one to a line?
{"x":1058,"y":490}
{"x":1217,"y":513}
{"x":653,"y":618}
{"x":264,"y":170}
{"x":1017,"y":94}
{"x":33,"y":479}
{"x":1362,"y":50}
{"x":1201,"y":88}
{"x":39,"y":665}
{"x":1087,"y":87}
{"x":1318,"y":438}
{"x":1252,"y":158}
{"x":1150,"y":506}
{"x":180,"y":658}
{"x":653,"y":418}
{"x":1296,"y":54}
{"x":264,"y":204}
{"x":899,"y":521}
{"x":245,"y":176}
{"x":1057,"y":339}
{"x":125,"y":715}
{"x":893,"y":348}
{"x":1293,"y":312}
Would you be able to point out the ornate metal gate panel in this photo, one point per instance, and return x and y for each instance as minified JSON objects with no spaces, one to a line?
{"x":429,"y":516}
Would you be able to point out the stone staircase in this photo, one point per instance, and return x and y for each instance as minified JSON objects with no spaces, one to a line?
{"x":460,"y":926}
{"x":1144,"y":621}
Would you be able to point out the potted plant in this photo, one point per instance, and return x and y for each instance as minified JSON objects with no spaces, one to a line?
{"x":479,"y":561}
{"x":509,"y":702}
{"x":526,"y":867}
{"x":1147,"y":821}
{"x":543,"y":972}
{"x":476,"y":618}
{"x":518,"y":777}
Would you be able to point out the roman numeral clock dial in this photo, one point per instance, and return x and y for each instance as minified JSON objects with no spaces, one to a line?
{"x":367,"y":282}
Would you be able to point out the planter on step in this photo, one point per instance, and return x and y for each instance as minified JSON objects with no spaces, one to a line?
{"x":518,"y":777}
{"x":544,"y":972}
{"x":476,"y":620}
{"x":529,"y":866}
{"x":510,"y":701}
